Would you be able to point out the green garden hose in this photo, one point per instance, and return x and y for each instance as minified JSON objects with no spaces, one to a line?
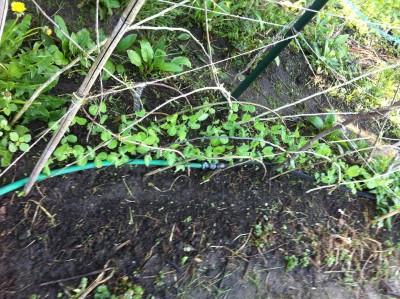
{"x":18,"y":184}
{"x":203,"y":165}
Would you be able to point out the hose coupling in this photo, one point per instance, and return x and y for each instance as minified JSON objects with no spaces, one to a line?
{"x":213,"y":166}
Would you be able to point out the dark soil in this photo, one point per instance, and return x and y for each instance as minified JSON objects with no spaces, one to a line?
{"x":73,"y":226}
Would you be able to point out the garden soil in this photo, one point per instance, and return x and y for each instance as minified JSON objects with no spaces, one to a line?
{"x":191,"y":236}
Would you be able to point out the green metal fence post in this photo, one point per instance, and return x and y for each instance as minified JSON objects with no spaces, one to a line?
{"x":278,"y":48}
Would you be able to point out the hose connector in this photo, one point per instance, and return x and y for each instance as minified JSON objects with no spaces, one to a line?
{"x":214,"y":166}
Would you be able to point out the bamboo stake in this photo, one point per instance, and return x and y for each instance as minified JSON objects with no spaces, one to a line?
{"x":3,"y":15}
{"x":127,"y":18}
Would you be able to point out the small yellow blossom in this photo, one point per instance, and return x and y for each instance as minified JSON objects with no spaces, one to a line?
{"x":48,"y":31}
{"x":18,"y":7}
{"x":228,"y":4}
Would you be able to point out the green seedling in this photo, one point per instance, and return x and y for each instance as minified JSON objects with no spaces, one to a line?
{"x":291,"y":262}
{"x":151,"y":59}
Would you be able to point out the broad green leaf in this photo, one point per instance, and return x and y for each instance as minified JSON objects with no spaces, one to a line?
{"x":134,"y":58}
{"x":171,"y":158}
{"x":102,"y":156}
{"x":323,"y":149}
{"x":72,"y":138}
{"x":182,"y":134}
{"x":329,"y":120}
{"x":12,"y":148}
{"x":181,"y":61}
{"x":172,"y":131}
{"x":44,"y":63}
{"x":14,"y":136}
{"x":248,"y":108}
{"x":24,"y":147}
{"x":27,"y":138}
{"x":80,"y":121}
{"x":15,"y":70}
{"x":147,"y":160}
{"x":219,"y":150}
{"x":120,"y":69}
{"x":93,"y":109}
{"x":146,"y":51}
{"x":341,"y":39}
{"x":353,"y":171}
{"x":60,"y":22}
{"x":246,"y":117}
{"x":194,"y":126}
{"x":112,"y":144}
{"x":81,"y":161}
{"x":159,"y":58}
{"x":170,"y":67}
{"x":103,"y":118}
{"x":126,"y":42}
{"x":329,"y":179}
{"x":203,"y":117}
{"x":84,"y":40}
{"x":61,"y":152}
{"x":317,"y":122}
{"x":59,"y":58}
{"x":151,"y":140}
{"x":372,"y":184}
{"x":71,"y":45}
{"x":268,"y":151}
{"x":142,"y":149}
{"x":110,"y":67}
{"x":78,"y":150}
{"x":139,"y":137}
{"x":103,"y":107}
{"x":98,"y":163}
{"x":105,"y":136}
{"x":6,"y":157}
{"x":184,"y":36}
{"x":215,"y":142}
{"x":224,"y":139}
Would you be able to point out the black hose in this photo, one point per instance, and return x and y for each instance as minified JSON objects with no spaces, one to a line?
{"x":312,"y":179}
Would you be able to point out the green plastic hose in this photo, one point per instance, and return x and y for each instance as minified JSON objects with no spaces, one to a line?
{"x":62,"y":171}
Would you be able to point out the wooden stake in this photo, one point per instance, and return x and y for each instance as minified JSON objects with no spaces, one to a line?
{"x":3,"y":15}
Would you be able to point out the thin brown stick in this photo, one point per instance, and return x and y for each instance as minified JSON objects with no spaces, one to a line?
{"x":99,"y":280}
{"x":75,"y":277}
{"x":388,"y":215}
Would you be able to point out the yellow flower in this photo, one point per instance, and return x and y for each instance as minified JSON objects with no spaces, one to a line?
{"x":48,"y":31}
{"x":228,"y":4}
{"x":18,"y":7}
